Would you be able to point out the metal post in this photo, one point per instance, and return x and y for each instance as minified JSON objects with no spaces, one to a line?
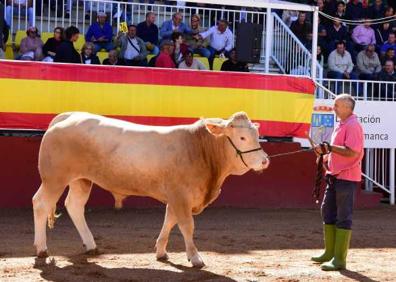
{"x":118,"y":16}
{"x":269,"y":31}
{"x":34,"y":13}
{"x":314,"y":42}
{"x":392,"y":176}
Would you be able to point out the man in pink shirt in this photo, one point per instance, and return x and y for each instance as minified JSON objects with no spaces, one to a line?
{"x":343,"y":175}
{"x":363,"y":35}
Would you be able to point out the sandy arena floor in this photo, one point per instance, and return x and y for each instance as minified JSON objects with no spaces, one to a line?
{"x":236,"y":244}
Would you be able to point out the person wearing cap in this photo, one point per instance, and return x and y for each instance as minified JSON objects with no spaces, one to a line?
{"x":31,"y":48}
{"x":100,"y":34}
{"x":190,"y":63}
{"x":343,"y":164}
{"x":133,"y":49}
{"x":164,"y":59}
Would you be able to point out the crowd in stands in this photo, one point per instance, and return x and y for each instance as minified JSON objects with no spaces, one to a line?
{"x":362,"y":50}
{"x":173,"y":45}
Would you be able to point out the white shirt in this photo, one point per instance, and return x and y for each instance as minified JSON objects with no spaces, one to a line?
{"x":219,"y":40}
{"x":130,"y":52}
{"x":196,"y":65}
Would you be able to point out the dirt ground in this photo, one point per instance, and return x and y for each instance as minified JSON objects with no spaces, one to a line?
{"x":236,"y":244}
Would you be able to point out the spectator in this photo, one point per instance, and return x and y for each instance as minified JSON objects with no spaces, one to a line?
{"x":173,"y":25}
{"x":301,"y":27}
{"x":322,"y":35}
{"x":66,"y":52}
{"x":363,"y":35}
{"x":31,"y":48}
{"x":389,"y":55}
{"x":340,"y":12}
{"x":330,"y":7}
{"x":390,"y":43}
{"x":387,"y":74}
{"x":289,"y":16}
{"x":51,"y":46}
{"x":354,"y":10}
{"x":221,"y":40}
{"x":368,"y":63}
{"x":336,"y":33}
{"x":180,"y":47}
{"x":164,"y":59}
{"x":100,"y":33}
{"x":21,"y":8}
{"x":376,"y":10}
{"x":232,"y":64}
{"x":148,"y":32}
{"x":113,"y":59}
{"x":382,"y":33}
{"x":340,"y":63}
{"x":199,"y":46}
{"x":190,"y":63}
{"x":88,"y":56}
{"x":133,"y":49}
{"x":2,"y":34}
{"x":390,"y":12}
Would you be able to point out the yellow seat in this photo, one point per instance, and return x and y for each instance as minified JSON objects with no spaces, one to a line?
{"x":9,"y":52}
{"x":217,"y":63}
{"x":203,"y":60}
{"x":46,"y":35}
{"x":102,"y":55}
{"x":20,"y":34}
{"x":9,"y":40}
{"x":79,"y":43}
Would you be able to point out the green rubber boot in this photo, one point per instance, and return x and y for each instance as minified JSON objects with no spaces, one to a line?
{"x":329,"y":238}
{"x":343,"y":237}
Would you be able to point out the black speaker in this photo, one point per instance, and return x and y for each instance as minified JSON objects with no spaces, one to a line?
{"x":248,"y":42}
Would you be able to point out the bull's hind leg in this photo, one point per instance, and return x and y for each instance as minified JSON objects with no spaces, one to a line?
{"x":44,"y":204}
{"x":162,"y":241}
{"x":75,"y":204}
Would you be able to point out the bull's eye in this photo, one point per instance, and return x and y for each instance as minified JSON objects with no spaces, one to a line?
{"x":243,"y":138}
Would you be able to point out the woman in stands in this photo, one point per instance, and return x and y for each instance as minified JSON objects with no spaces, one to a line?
{"x":66,"y":52}
{"x":31,"y":46}
{"x":51,"y":46}
{"x":87,"y":54}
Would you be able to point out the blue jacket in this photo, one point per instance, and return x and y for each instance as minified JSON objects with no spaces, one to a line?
{"x":167,"y":29}
{"x":96,"y":31}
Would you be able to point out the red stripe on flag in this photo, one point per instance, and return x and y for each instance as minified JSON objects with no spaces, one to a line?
{"x":136,"y":75}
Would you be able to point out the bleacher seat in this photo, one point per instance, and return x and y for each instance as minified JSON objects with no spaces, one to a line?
{"x":102,"y":55}
{"x":46,"y":35}
{"x":79,"y":43}
{"x":20,"y":34}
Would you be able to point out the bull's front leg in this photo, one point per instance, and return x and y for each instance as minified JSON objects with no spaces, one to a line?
{"x":185,"y":221}
{"x":162,"y":241}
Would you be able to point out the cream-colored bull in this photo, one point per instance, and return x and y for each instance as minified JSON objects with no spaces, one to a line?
{"x":182,"y":166}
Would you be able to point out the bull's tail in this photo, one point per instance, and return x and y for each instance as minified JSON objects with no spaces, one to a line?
{"x":59,"y":118}
{"x":52,"y":217}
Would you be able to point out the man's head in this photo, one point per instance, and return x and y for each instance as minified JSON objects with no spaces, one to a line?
{"x":301,"y":17}
{"x":367,"y":23}
{"x":132,"y":30}
{"x":390,"y":53}
{"x":177,"y":18}
{"x":177,"y":37}
{"x":340,"y":7}
{"x":167,"y":46}
{"x":88,"y":49}
{"x":340,"y":47}
{"x":72,"y":33}
{"x":58,"y":33}
{"x":389,"y":67}
{"x":32,"y":32}
{"x":370,"y":50}
{"x":378,"y":2}
{"x":195,"y":19}
{"x":389,"y":11}
{"x":222,"y":25}
{"x":391,"y":38}
{"x":233,"y":55}
{"x":189,"y":57}
{"x":102,"y":18}
{"x":344,"y":105}
{"x":113,"y":56}
{"x":150,"y":18}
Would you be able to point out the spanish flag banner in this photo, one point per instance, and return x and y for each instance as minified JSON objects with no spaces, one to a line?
{"x":31,"y":94}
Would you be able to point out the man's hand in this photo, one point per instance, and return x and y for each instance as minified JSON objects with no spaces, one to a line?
{"x":347,"y":75}
{"x":102,"y":38}
{"x":319,"y":150}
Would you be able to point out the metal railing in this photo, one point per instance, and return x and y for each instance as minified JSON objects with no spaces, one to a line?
{"x":289,"y":53}
{"x":361,"y":89}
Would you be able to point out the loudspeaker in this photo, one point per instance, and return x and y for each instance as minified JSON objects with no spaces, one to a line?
{"x":248,"y":42}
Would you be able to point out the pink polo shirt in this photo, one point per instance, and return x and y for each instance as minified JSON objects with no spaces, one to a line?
{"x":348,"y":133}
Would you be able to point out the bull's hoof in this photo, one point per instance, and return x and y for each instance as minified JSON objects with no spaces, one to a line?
{"x":93,"y":252}
{"x":197,"y":261}
{"x":164,"y":257}
{"x":42,"y":254}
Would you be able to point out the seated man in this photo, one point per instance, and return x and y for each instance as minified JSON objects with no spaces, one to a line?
{"x":164,"y":59}
{"x":190,"y":63}
{"x":100,"y":34}
{"x":232,"y":64}
{"x":221,"y":40}
{"x":133,"y":49}
{"x":363,"y":35}
{"x":301,"y":27}
{"x":389,"y":55}
{"x":340,"y":63}
{"x":387,"y":74}
{"x":19,"y":7}
{"x":390,"y":43}
{"x":174,"y":25}
{"x":368,"y":63}
{"x":113,"y":59}
{"x":148,"y":32}
{"x":66,"y":52}
{"x":31,"y":46}
{"x":199,"y":46}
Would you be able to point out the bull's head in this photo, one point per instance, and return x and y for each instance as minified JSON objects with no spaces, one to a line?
{"x":243,"y":141}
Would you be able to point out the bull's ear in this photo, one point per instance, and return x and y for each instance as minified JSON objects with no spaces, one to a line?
{"x":216,"y":126}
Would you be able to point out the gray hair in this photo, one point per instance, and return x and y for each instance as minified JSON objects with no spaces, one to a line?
{"x":347,"y":98}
